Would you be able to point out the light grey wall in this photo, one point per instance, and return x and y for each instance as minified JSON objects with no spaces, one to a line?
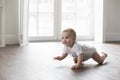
{"x":11,"y":29}
{"x":111,"y":20}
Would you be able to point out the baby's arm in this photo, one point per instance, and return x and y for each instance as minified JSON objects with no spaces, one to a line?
{"x":60,"y":57}
{"x":79,"y":62}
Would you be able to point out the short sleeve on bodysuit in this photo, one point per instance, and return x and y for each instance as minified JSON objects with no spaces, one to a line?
{"x":77,"y":49}
{"x":65,"y":50}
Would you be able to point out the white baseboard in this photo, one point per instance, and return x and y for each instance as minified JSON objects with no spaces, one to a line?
{"x":11,"y":39}
{"x":112,"y":37}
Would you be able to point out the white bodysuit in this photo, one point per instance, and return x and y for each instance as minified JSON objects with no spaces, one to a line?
{"x":77,"y":49}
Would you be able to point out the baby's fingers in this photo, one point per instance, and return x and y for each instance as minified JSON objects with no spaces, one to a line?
{"x":55,"y":58}
{"x":74,"y":68}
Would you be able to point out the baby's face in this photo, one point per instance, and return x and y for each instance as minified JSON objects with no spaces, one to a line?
{"x":67,"y":39}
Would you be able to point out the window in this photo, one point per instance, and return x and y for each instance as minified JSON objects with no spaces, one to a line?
{"x":47,"y":18}
{"x":41,"y":18}
{"x":78,"y":14}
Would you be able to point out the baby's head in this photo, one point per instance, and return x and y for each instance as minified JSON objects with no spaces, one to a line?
{"x":68,"y":37}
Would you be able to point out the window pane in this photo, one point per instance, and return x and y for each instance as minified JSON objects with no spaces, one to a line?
{"x":45,"y":24}
{"x":33,"y":5}
{"x":82,"y":25}
{"x":46,"y":6}
{"x":41,"y":17}
{"x":68,"y":20}
{"x":77,"y":14}
{"x":68,"y":6}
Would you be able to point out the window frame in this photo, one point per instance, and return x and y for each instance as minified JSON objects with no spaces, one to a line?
{"x":57,"y":26}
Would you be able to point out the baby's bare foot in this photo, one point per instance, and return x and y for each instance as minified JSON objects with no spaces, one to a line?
{"x":103,"y":56}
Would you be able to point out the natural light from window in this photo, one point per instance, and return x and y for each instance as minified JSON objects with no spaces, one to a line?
{"x":41,"y":18}
{"x":76,"y":14}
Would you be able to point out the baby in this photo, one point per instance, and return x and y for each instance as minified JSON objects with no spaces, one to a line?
{"x":79,"y":52}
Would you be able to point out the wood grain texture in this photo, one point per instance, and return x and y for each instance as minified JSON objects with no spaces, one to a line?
{"x":35,"y":62}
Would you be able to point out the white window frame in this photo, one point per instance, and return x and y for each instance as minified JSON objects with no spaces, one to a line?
{"x":23,"y":22}
{"x":99,"y":29}
{"x":91,"y":36}
{"x":57,"y":27}
{"x":56,"y":24}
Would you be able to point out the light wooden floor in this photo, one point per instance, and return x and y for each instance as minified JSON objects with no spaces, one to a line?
{"x":35,"y":62}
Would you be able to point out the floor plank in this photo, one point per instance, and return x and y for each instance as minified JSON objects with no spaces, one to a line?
{"x":35,"y":62}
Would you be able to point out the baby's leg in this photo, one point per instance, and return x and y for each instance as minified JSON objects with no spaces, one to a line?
{"x":99,"y":59}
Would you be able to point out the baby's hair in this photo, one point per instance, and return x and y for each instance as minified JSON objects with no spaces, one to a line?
{"x":71,"y":31}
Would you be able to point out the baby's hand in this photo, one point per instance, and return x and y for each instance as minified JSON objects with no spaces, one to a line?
{"x":74,"y":67}
{"x":57,"y":58}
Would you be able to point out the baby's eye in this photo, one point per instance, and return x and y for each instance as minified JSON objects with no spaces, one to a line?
{"x":62,"y":38}
{"x":66,"y":37}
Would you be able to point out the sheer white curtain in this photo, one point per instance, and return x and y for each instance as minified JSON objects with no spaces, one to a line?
{"x":23,"y":22}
